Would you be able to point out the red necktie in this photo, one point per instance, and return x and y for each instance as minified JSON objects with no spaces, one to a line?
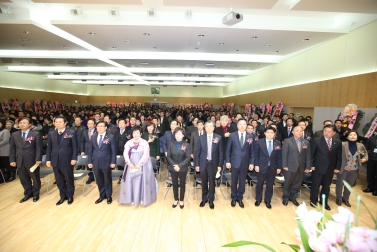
{"x":329,"y":144}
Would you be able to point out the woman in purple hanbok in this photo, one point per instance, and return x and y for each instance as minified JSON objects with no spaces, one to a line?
{"x":138,"y":183}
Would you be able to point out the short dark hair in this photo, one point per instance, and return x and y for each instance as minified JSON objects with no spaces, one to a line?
{"x":283,"y":114}
{"x":349,"y":132}
{"x":25,"y":118}
{"x":61,"y":117}
{"x":326,"y":121}
{"x":135,"y":128}
{"x":241,"y":119}
{"x":151,"y":124}
{"x":300,"y":121}
{"x":179,"y":129}
{"x":270,"y":128}
{"x":290,"y":119}
{"x":104,"y":123}
{"x":338,"y":120}
{"x":121,"y":119}
{"x":200,"y":121}
{"x":330,"y":126}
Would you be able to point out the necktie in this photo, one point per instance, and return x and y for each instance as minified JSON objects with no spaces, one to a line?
{"x":298,"y":145}
{"x":329,"y":144}
{"x":289,"y":131}
{"x":100,"y":141}
{"x":241,"y":140}
{"x":23,"y":137}
{"x":269,"y":148}
{"x":60,"y":132}
{"x":90,"y":135}
{"x":200,"y":133}
{"x":209,"y":148}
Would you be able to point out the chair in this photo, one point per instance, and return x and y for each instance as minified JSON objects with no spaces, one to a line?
{"x":116,"y":174}
{"x":79,"y":175}
{"x":280,"y":179}
{"x":82,"y":161}
{"x":2,"y":174}
{"x":45,"y":175}
{"x":228,"y":177}
{"x":156,"y":168}
{"x":120,"y":161}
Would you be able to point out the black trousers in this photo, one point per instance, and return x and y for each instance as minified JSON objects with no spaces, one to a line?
{"x":317,"y":181}
{"x":292,"y":184}
{"x":238,"y":177}
{"x":372,"y":174}
{"x":181,"y":184}
{"x":65,"y":180}
{"x":30,"y":181}
{"x":269,"y":177}
{"x":208,"y":176}
{"x":104,"y":182}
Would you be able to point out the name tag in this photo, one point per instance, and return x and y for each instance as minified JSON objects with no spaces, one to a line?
{"x":375,"y":150}
{"x":83,"y":156}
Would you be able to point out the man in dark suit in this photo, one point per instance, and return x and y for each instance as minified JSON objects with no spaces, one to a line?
{"x":283,"y":123}
{"x":102,"y":158}
{"x":168,"y":137}
{"x":292,"y":116}
{"x":159,"y":129}
{"x":61,"y":153}
{"x":319,"y":133}
{"x":305,"y":134}
{"x":261,"y":128}
{"x":199,"y":131}
{"x":239,"y":157}
{"x":111,"y":128}
{"x":233,"y":125}
{"x":224,"y":131}
{"x":85,"y":142}
{"x":192,"y":127}
{"x":79,"y":131}
{"x":340,"y":131}
{"x":277,"y":134}
{"x":296,"y":159}
{"x":164,"y":121}
{"x":208,"y":160}
{"x":267,"y":162}
{"x":287,"y":131}
{"x":327,"y":158}
{"x":26,"y":150}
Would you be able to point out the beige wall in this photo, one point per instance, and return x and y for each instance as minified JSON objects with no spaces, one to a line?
{"x":351,"y":54}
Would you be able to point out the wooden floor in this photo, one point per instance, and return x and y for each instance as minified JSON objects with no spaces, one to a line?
{"x":85,"y":226}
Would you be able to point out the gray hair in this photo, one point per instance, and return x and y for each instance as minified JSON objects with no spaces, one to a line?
{"x":210,"y":122}
{"x":9,"y":121}
{"x":224,"y":117}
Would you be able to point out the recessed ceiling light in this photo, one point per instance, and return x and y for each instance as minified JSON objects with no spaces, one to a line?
{"x":276,"y":51}
{"x":254,"y":37}
{"x":144,"y":63}
{"x":64,"y":46}
{"x":127,"y":41}
{"x":258,"y":64}
{"x":210,"y":64}
{"x":305,"y":39}
{"x":146,"y":34}
{"x":221,"y":44}
{"x":155,"y":48}
{"x":114,"y":47}
{"x":92,"y":33}
{"x":237,"y":50}
{"x":198,"y":43}
{"x":26,"y":32}
{"x":88,"y":61}
{"x":56,"y":60}
{"x":267,"y":45}
{"x":201,"y":35}
{"x":196,"y":48}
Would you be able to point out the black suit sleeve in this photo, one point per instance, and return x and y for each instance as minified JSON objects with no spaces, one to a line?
{"x":12,"y":152}
{"x":221,"y":154}
{"x":338,"y":155}
{"x":39,"y":147}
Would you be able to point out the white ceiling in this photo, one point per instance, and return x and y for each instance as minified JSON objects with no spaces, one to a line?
{"x":42,"y":36}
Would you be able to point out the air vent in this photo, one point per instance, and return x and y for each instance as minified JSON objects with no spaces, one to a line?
{"x":7,"y":60}
{"x":76,"y":12}
{"x":72,"y":62}
{"x":113,"y":13}
{"x":83,"y":73}
{"x":103,"y":74}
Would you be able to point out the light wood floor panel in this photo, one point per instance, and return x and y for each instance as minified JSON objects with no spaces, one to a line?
{"x":85,"y":226}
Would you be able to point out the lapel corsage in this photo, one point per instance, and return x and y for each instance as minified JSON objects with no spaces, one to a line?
{"x":277,"y":148}
{"x":304,"y":146}
{"x":68,"y":136}
{"x":128,"y":136}
{"x":249,"y":140}
{"x":154,"y":137}
{"x":29,"y":139}
{"x":256,"y":139}
{"x":184,"y":147}
{"x":308,"y":138}
{"x":106,"y":141}
{"x":215,"y":140}
{"x":157,"y":131}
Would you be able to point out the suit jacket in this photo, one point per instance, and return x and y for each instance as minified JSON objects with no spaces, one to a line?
{"x":111,"y":129}
{"x":166,"y":140}
{"x":261,"y":157}
{"x":285,"y":133}
{"x":194,"y":140}
{"x":235,"y":154}
{"x":370,"y":146}
{"x":307,"y":135}
{"x":281,"y":127}
{"x":219,"y":131}
{"x":345,"y":151}
{"x":324,"y":159}
{"x":200,"y":157}
{"x":293,"y":159}
{"x":63,"y":152}
{"x":4,"y":142}
{"x":180,"y":157}
{"x":260,"y":130}
{"x":27,"y":153}
{"x":85,"y":142}
{"x":80,"y":131}
{"x":101,"y":158}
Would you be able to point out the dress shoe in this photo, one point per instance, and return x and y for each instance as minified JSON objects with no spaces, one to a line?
{"x":327,"y":207}
{"x":338,"y":202}
{"x":211,"y":205}
{"x":54,"y":183}
{"x":268,"y":205}
{"x":99,"y":200}
{"x":89,"y":181}
{"x":285,"y":203}
{"x":346,"y":202}
{"x":109,"y":200}
{"x":60,"y":201}
{"x":35,"y":198}
{"x":217,"y":184}
{"x":181,"y":206}
{"x":241,"y":204}
{"x":257,"y":203}
{"x":174,"y":205}
{"x":294,"y":201}
{"x":227,"y":184}
{"x":368,"y":190}
{"x":25,"y":199}
{"x":203,"y":203}
{"x":70,"y":200}
{"x":374,"y":193}
{"x":233,"y":203}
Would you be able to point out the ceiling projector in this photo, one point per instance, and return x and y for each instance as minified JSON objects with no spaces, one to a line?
{"x":232,"y":18}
